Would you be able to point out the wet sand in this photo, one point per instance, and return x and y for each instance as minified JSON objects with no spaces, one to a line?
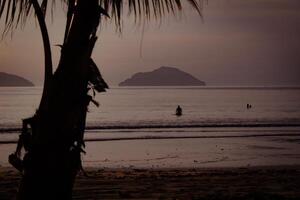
{"x":275,"y":182}
{"x":250,"y":168}
{"x":188,"y":148}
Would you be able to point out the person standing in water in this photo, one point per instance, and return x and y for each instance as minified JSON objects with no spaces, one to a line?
{"x":178,"y":111}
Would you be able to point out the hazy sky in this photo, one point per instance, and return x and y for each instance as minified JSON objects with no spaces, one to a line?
{"x":240,"y":42}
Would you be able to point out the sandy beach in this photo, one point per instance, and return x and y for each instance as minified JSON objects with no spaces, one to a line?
{"x":250,"y":164}
{"x":273,"y":182}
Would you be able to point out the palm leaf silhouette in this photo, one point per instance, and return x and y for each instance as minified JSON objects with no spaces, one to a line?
{"x":15,"y":12}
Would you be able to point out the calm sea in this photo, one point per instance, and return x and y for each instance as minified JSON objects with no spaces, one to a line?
{"x":216,"y":128}
{"x":140,"y":107}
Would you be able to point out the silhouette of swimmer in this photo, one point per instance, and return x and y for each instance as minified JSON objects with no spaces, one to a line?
{"x":178,"y":111}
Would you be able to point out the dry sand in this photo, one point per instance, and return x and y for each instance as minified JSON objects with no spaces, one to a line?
{"x":281,"y":182}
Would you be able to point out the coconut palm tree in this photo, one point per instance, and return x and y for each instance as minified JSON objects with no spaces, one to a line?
{"x":53,"y":137}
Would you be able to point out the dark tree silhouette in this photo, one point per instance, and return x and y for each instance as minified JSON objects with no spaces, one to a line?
{"x":53,"y":137}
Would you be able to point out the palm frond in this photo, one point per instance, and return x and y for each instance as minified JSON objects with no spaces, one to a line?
{"x":15,"y":12}
{"x":146,"y":9}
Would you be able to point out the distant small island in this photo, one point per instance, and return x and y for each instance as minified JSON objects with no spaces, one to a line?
{"x":10,"y":80}
{"x":163,"y":76}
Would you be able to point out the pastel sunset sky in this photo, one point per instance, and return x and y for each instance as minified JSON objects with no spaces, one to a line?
{"x":238,"y":42}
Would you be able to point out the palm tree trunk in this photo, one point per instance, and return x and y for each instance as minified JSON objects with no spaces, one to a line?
{"x":47,"y":52}
{"x":53,"y":159}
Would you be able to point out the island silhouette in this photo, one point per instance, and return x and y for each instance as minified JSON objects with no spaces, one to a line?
{"x":163,"y":76}
{"x":11,"y":80}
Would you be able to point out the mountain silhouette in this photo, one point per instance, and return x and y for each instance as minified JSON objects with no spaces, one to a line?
{"x":163,"y":76}
{"x":10,"y":80}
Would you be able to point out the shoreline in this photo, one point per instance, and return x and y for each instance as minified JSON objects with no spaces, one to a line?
{"x":264,"y":182}
{"x":185,"y":152}
{"x":173,"y":137}
{"x":103,"y":135}
{"x":176,"y":126}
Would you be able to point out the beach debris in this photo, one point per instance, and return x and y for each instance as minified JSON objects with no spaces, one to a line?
{"x":120,"y":174}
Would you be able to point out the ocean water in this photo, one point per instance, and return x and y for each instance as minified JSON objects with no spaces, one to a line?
{"x":137,"y":107}
{"x":138,"y":126}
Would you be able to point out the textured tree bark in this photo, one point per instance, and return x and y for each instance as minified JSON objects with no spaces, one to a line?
{"x":53,"y":158}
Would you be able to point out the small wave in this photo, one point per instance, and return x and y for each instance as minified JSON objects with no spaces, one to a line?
{"x":9,"y":130}
{"x":177,"y":126}
{"x":173,"y":137}
{"x":295,"y":87}
{"x":195,"y":126}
